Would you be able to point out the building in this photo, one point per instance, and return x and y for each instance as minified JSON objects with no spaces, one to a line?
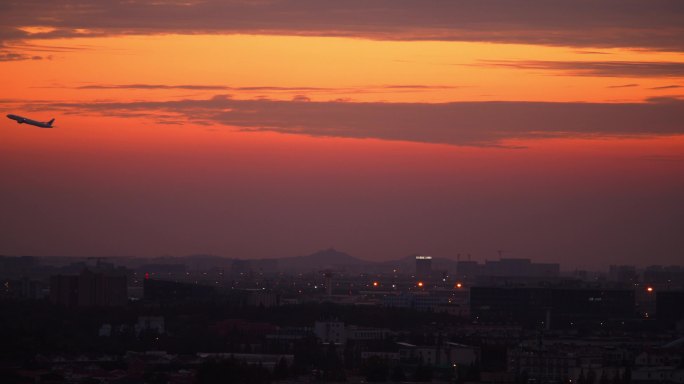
{"x":161,"y":290}
{"x":23,"y":288}
{"x":367,"y":333}
{"x":552,"y":307}
{"x":468,"y":270}
{"x":101,"y":289}
{"x":431,"y":302}
{"x":261,"y":298}
{"x":13,"y":267}
{"x":506,"y":268}
{"x":401,"y":300}
{"x":669,"y":307}
{"x":286,"y":338}
{"x":388,"y":356}
{"x":658,"y":375}
{"x":423,"y":267}
{"x":89,"y":289}
{"x":544,"y":365}
{"x":150,"y":324}
{"x":448,"y":354}
{"x":520,"y":268}
{"x":260,"y":266}
{"x":422,"y":301}
{"x":330,"y":332}
{"x":668,"y":276}
{"x":64,"y":290}
{"x":268,"y":361}
{"x":623,"y":274}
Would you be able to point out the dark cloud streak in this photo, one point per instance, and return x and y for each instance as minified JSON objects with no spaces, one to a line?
{"x":674,"y":86}
{"x":624,"y":86}
{"x":153,"y":86}
{"x":370,"y":88}
{"x":654,"y":24}
{"x":596,"y":68}
{"x":13,"y":56}
{"x":460,"y":123}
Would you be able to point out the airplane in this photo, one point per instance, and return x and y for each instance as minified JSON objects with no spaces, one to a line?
{"x":22,"y":120}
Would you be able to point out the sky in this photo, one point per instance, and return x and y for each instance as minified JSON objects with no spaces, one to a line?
{"x":544,"y":129}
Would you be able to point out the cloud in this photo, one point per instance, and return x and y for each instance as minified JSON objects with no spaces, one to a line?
{"x":197,"y":87}
{"x":208,"y":87}
{"x":13,"y":56}
{"x":416,"y":86}
{"x":10,"y":56}
{"x":586,"y":52}
{"x":301,"y":98}
{"x":152,"y":86}
{"x":460,"y":123}
{"x":655,"y":24}
{"x":674,"y":86}
{"x":12,"y":53}
{"x":623,"y":86}
{"x":666,"y":99}
{"x":597,"y":68}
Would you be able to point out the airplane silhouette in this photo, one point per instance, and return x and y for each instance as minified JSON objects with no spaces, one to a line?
{"x":22,"y":120}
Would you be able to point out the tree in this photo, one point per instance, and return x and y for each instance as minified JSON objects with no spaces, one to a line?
{"x":616,"y":378}
{"x":627,"y":375}
{"x":307,"y":354}
{"x":281,"y":372}
{"x":231,"y":371}
{"x":398,"y":374}
{"x":591,"y":377}
{"x":522,"y":378}
{"x":375,"y":369}
{"x":582,"y":379}
{"x":422,"y":373}
{"x":333,"y":369}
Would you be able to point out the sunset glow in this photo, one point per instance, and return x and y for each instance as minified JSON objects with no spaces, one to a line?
{"x":265,"y":140}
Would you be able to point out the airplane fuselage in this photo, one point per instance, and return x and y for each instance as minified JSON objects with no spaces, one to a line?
{"x":22,"y":120}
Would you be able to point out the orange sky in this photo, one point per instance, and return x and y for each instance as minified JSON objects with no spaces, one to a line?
{"x":147,"y":159}
{"x":352,"y":68}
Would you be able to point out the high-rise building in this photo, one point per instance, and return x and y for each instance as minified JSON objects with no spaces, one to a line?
{"x":89,"y":289}
{"x":423,"y":266}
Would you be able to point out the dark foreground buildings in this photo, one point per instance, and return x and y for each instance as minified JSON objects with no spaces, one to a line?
{"x":171,"y":291}
{"x":670,"y":307}
{"x":89,"y":289}
{"x":550,"y":307}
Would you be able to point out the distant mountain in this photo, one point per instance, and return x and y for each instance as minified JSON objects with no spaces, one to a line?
{"x":324,"y":259}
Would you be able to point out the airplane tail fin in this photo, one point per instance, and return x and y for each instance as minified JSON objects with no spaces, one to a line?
{"x":51,"y":121}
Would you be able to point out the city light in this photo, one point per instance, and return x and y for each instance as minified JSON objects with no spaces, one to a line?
{"x":649,"y":289}
{"x":459,"y":285}
{"x":420,"y":284}
{"x":375,"y":284}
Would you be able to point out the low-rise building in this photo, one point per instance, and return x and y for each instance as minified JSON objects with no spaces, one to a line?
{"x":330,"y":332}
